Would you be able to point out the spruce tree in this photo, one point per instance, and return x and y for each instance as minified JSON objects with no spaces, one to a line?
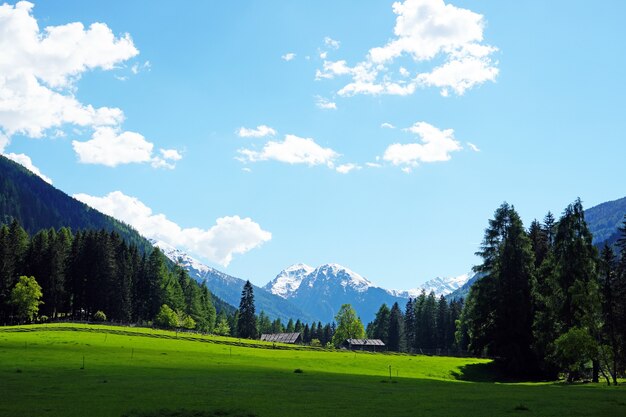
{"x":499,"y":308}
{"x":379,"y":328}
{"x":246,"y":323}
{"x":409,"y":325}
{"x":395,"y":339}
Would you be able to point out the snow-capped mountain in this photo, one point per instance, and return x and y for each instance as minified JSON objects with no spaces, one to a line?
{"x":322,"y":291}
{"x":439,"y":285}
{"x":228,"y":288}
{"x":288,"y":280}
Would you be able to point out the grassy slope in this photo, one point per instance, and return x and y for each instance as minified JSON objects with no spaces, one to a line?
{"x":40,"y":374}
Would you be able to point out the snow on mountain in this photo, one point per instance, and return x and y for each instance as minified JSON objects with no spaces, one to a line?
{"x":288,"y":280}
{"x":228,"y":288}
{"x":336,"y":273}
{"x":439,"y":285}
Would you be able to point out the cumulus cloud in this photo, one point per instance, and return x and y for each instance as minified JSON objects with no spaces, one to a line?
{"x":347,"y":168}
{"x":110,"y":147}
{"x":27,"y":163}
{"x":292,"y":150}
{"x":231,"y":235}
{"x":325,"y":104}
{"x":288,"y":56}
{"x":428,"y":32}
{"x":260,"y":132}
{"x":386,"y":125}
{"x":436,"y":146}
{"x":39,"y":70}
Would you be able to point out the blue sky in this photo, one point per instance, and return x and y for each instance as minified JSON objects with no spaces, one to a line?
{"x":142,"y":116}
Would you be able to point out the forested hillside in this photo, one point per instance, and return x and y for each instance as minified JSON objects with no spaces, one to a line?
{"x":604,"y":220}
{"x":37,"y":205}
{"x":81,"y":274}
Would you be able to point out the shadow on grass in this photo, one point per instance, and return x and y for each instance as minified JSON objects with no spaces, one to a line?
{"x":488,"y":372}
{"x":189,"y":413}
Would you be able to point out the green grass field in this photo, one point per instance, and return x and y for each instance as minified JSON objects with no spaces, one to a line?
{"x":142,"y":372}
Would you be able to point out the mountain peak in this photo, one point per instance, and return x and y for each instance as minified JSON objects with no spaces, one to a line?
{"x":288,"y":280}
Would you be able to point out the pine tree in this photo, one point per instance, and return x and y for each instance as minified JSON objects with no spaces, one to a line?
{"x":246,"y":324}
{"x":265,"y":325}
{"x":443,"y":316}
{"x":379,"y":328}
{"x":409,"y":325}
{"x":290,"y":326}
{"x":395,"y":340}
{"x":608,"y":282}
{"x":499,"y":309}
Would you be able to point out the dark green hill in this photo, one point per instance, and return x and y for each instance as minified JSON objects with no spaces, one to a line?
{"x":37,"y":205}
{"x":604,"y":220}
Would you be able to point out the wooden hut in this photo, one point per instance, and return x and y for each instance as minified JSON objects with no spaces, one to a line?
{"x":370,"y":345}
{"x":290,"y":338}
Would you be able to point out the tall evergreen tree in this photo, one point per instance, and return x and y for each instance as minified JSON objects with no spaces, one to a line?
{"x":409,"y":325}
{"x":379,"y":328}
{"x":499,"y":308}
{"x":246,"y":324}
{"x":395,"y":339}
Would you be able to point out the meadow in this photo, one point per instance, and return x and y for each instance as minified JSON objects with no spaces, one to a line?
{"x":88,"y":370}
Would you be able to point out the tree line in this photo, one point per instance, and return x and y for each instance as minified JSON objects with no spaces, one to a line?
{"x":428,"y":325}
{"x":83,"y":273}
{"x":246,"y":324}
{"x":548,"y":302}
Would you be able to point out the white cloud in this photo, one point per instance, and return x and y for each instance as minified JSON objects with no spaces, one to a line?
{"x":346,"y":168}
{"x":260,"y":132}
{"x":231,"y":235}
{"x":436,"y":146}
{"x":39,"y":70}
{"x":288,"y":56}
{"x":386,"y":125}
{"x":331,"y":43}
{"x":110,"y":147}
{"x":324,"y":103}
{"x":27,"y":163}
{"x":373,"y":165}
{"x":323,"y":55}
{"x":292,"y":150}
{"x":473,"y":147}
{"x":171,"y":154}
{"x":428,"y":31}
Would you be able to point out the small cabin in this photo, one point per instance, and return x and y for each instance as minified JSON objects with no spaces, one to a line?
{"x":289,"y":338}
{"x":370,"y":345}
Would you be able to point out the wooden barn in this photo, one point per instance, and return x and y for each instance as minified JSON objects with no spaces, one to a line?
{"x":290,"y":338}
{"x":370,"y":345}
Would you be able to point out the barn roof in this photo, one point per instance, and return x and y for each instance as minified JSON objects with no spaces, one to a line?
{"x":281,"y":337}
{"x":365,"y":342}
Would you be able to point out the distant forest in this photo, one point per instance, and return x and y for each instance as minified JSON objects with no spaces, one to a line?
{"x":97,"y":271}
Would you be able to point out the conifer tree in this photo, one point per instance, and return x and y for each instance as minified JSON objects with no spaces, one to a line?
{"x":246,"y":324}
{"x":379,"y":328}
{"x":409,"y":325}
{"x":499,"y":310}
{"x":395,"y":339}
